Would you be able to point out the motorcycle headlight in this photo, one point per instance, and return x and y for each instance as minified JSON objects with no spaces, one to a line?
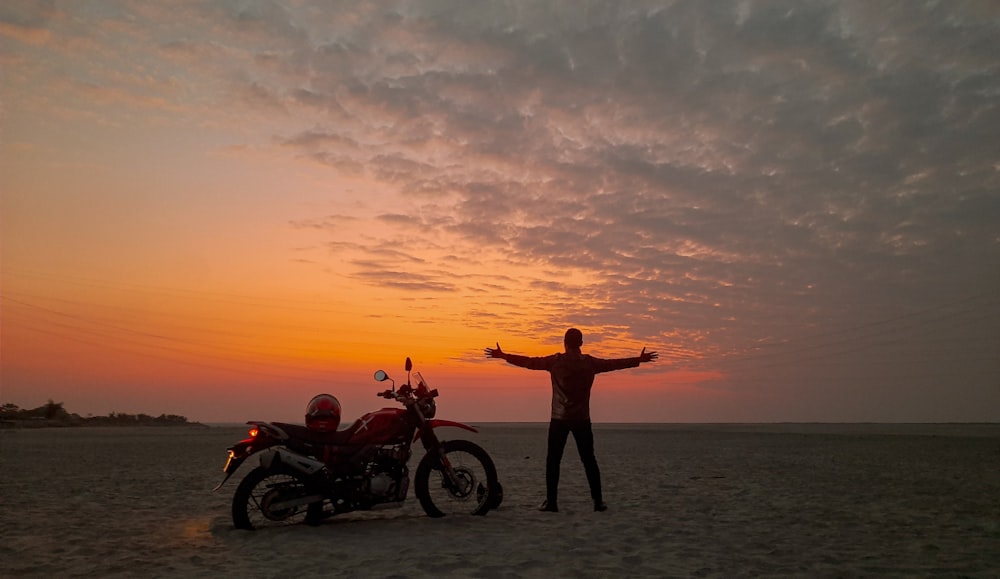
{"x":429,"y":408}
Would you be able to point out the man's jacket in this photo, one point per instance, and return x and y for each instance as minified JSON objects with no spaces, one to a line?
{"x":572,"y":378}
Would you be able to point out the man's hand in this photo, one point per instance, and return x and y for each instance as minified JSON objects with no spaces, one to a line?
{"x":644,"y":356}
{"x":495,"y":352}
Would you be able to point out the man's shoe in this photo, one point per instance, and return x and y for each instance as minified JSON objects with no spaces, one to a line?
{"x":600,"y":506}
{"x":548,"y":507}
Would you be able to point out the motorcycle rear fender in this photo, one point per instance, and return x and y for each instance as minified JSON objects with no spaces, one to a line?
{"x":244,"y":449}
{"x":264,"y":434}
{"x":437,"y":422}
{"x":238,"y":453}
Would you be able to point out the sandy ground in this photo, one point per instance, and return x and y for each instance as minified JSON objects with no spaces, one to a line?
{"x":686,"y":501}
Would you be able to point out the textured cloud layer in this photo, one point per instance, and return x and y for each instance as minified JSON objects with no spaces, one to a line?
{"x":747,"y":183}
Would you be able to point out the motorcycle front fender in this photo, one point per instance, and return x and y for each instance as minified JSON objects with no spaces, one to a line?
{"x":437,"y":423}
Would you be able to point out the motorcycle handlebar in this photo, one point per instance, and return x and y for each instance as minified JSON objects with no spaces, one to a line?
{"x":390,"y":395}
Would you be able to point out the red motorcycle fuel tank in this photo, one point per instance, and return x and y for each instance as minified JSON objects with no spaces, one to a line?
{"x":386,"y":426}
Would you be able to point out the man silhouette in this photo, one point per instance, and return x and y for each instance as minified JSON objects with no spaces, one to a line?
{"x":572,"y":374}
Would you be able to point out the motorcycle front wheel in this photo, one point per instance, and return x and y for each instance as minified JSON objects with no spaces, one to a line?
{"x":269,"y":497}
{"x":469,"y":489}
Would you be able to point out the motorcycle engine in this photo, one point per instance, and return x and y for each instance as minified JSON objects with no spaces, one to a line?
{"x":388,"y":476}
{"x":380,"y":485}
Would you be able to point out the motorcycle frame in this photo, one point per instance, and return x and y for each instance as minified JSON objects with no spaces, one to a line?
{"x":265,"y":436}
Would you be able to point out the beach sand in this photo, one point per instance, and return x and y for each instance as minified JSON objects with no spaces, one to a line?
{"x":685,"y":501}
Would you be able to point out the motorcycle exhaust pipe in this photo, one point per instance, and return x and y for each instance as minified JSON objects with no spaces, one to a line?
{"x":303,"y":464}
{"x":294,"y":502}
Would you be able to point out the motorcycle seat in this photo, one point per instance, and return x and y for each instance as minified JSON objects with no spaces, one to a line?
{"x":335,"y":437}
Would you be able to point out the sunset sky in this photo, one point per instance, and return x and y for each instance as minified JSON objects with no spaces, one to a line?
{"x":220,"y":209}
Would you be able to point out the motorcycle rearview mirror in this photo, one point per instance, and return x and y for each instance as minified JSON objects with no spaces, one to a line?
{"x":381,"y":376}
{"x":409,"y":364}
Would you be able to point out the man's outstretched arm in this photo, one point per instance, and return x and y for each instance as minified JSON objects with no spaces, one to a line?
{"x":604,"y":365}
{"x":518,"y":360}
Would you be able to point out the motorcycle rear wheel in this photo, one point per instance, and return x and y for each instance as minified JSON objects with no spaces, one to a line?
{"x":475,"y":474}
{"x":255,"y":498}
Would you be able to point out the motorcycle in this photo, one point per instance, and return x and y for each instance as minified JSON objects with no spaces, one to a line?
{"x":309,"y":473}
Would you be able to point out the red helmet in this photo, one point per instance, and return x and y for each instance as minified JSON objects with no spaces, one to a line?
{"x":323,"y":413}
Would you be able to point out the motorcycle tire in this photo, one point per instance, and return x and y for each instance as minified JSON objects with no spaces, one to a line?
{"x":477,"y":490}
{"x":259,"y":487}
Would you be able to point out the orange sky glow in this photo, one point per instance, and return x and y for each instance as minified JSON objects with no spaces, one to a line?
{"x":219,"y":211}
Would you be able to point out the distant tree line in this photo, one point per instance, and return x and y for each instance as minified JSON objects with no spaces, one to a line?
{"x":53,"y":414}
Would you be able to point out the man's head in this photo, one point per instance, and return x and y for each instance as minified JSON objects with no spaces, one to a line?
{"x":573,"y":339}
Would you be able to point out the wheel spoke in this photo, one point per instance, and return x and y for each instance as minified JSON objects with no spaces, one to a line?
{"x":451,"y":484}
{"x":260,"y":490}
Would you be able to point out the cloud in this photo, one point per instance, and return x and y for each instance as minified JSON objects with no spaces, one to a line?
{"x":716,"y":175}
{"x":803,"y":134}
{"x":26,"y":34}
{"x":27,"y":22}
